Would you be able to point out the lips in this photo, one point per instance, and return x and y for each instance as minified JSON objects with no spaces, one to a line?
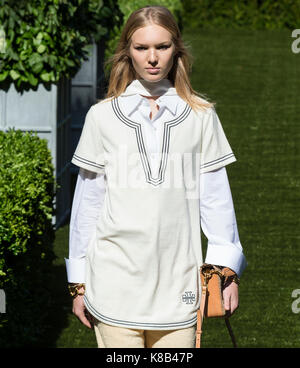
{"x":153,"y":69}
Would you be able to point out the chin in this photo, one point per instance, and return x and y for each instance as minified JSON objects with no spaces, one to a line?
{"x":153,"y":77}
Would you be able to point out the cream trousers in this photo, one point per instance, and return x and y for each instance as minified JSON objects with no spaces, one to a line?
{"x":119,"y":337}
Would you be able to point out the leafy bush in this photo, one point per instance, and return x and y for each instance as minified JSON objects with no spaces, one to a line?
{"x":127,"y":7}
{"x":27,"y":189}
{"x":252,"y":14}
{"x":48,"y":39}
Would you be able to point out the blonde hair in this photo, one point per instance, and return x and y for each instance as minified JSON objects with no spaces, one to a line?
{"x":123,"y":73}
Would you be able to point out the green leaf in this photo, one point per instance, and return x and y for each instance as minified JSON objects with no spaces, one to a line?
{"x":14,"y":74}
{"x":32,"y":80}
{"x":23,"y":55}
{"x":52,"y":59}
{"x":34,"y":59}
{"x":36,"y":42}
{"x":39,"y":35}
{"x":69,"y":62}
{"x":46,"y":77}
{"x":3,"y":75}
{"x":41,"y":49}
{"x":37,"y":68}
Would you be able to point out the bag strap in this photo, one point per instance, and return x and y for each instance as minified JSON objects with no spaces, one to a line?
{"x":200,"y":314}
{"x":230,"y":332}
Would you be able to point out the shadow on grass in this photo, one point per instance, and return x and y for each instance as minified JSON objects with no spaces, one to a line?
{"x":63,"y":330}
{"x":36,"y":313}
{"x":39,"y":307}
{"x":61,"y":307}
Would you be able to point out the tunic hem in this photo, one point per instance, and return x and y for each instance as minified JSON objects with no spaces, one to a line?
{"x":138,"y":325}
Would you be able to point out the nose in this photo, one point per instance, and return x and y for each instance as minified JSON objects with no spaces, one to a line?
{"x":152,"y":56}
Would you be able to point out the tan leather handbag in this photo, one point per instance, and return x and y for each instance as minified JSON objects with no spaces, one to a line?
{"x":213,"y":279}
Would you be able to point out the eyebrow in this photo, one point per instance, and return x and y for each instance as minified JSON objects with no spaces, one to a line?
{"x":159,"y":44}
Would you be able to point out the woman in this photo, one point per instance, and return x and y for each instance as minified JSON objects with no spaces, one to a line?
{"x":152,"y":159}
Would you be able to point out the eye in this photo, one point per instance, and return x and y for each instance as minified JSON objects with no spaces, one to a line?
{"x":164,"y":47}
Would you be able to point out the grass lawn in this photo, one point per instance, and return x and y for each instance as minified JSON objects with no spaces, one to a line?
{"x":253,"y":77}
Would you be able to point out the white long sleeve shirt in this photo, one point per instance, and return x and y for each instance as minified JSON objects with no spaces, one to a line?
{"x":218,"y":221}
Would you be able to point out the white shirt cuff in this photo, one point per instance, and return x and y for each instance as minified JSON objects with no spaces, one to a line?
{"x":227,"y":256}
{"x":75,"y":269}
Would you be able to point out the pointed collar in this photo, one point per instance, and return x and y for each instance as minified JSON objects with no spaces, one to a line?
{"x":138,"y":87}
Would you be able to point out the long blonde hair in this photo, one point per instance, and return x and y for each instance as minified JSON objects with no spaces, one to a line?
{"x":123,"y":73}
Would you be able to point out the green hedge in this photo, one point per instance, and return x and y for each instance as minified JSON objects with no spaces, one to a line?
{"x":127,"y":7}
{"x":48,"y":39}
{"x":252,"y":14}
{"x":27,"y":189}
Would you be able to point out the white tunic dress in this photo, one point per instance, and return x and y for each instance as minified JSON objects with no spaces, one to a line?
{"x":143,"y":260}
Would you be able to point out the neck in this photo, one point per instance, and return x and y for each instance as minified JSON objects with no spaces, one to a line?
{"x":155,"y":88}
{"x":150,"y":89}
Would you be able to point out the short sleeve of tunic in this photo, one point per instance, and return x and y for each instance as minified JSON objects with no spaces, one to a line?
{"x":89,"y":153}
{"x":215,"y":149}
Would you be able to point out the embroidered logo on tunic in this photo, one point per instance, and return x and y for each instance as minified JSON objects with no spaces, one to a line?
{"x":188,"y":297}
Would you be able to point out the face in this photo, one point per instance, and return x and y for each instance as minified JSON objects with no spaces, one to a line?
{"x":151,"y":51}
